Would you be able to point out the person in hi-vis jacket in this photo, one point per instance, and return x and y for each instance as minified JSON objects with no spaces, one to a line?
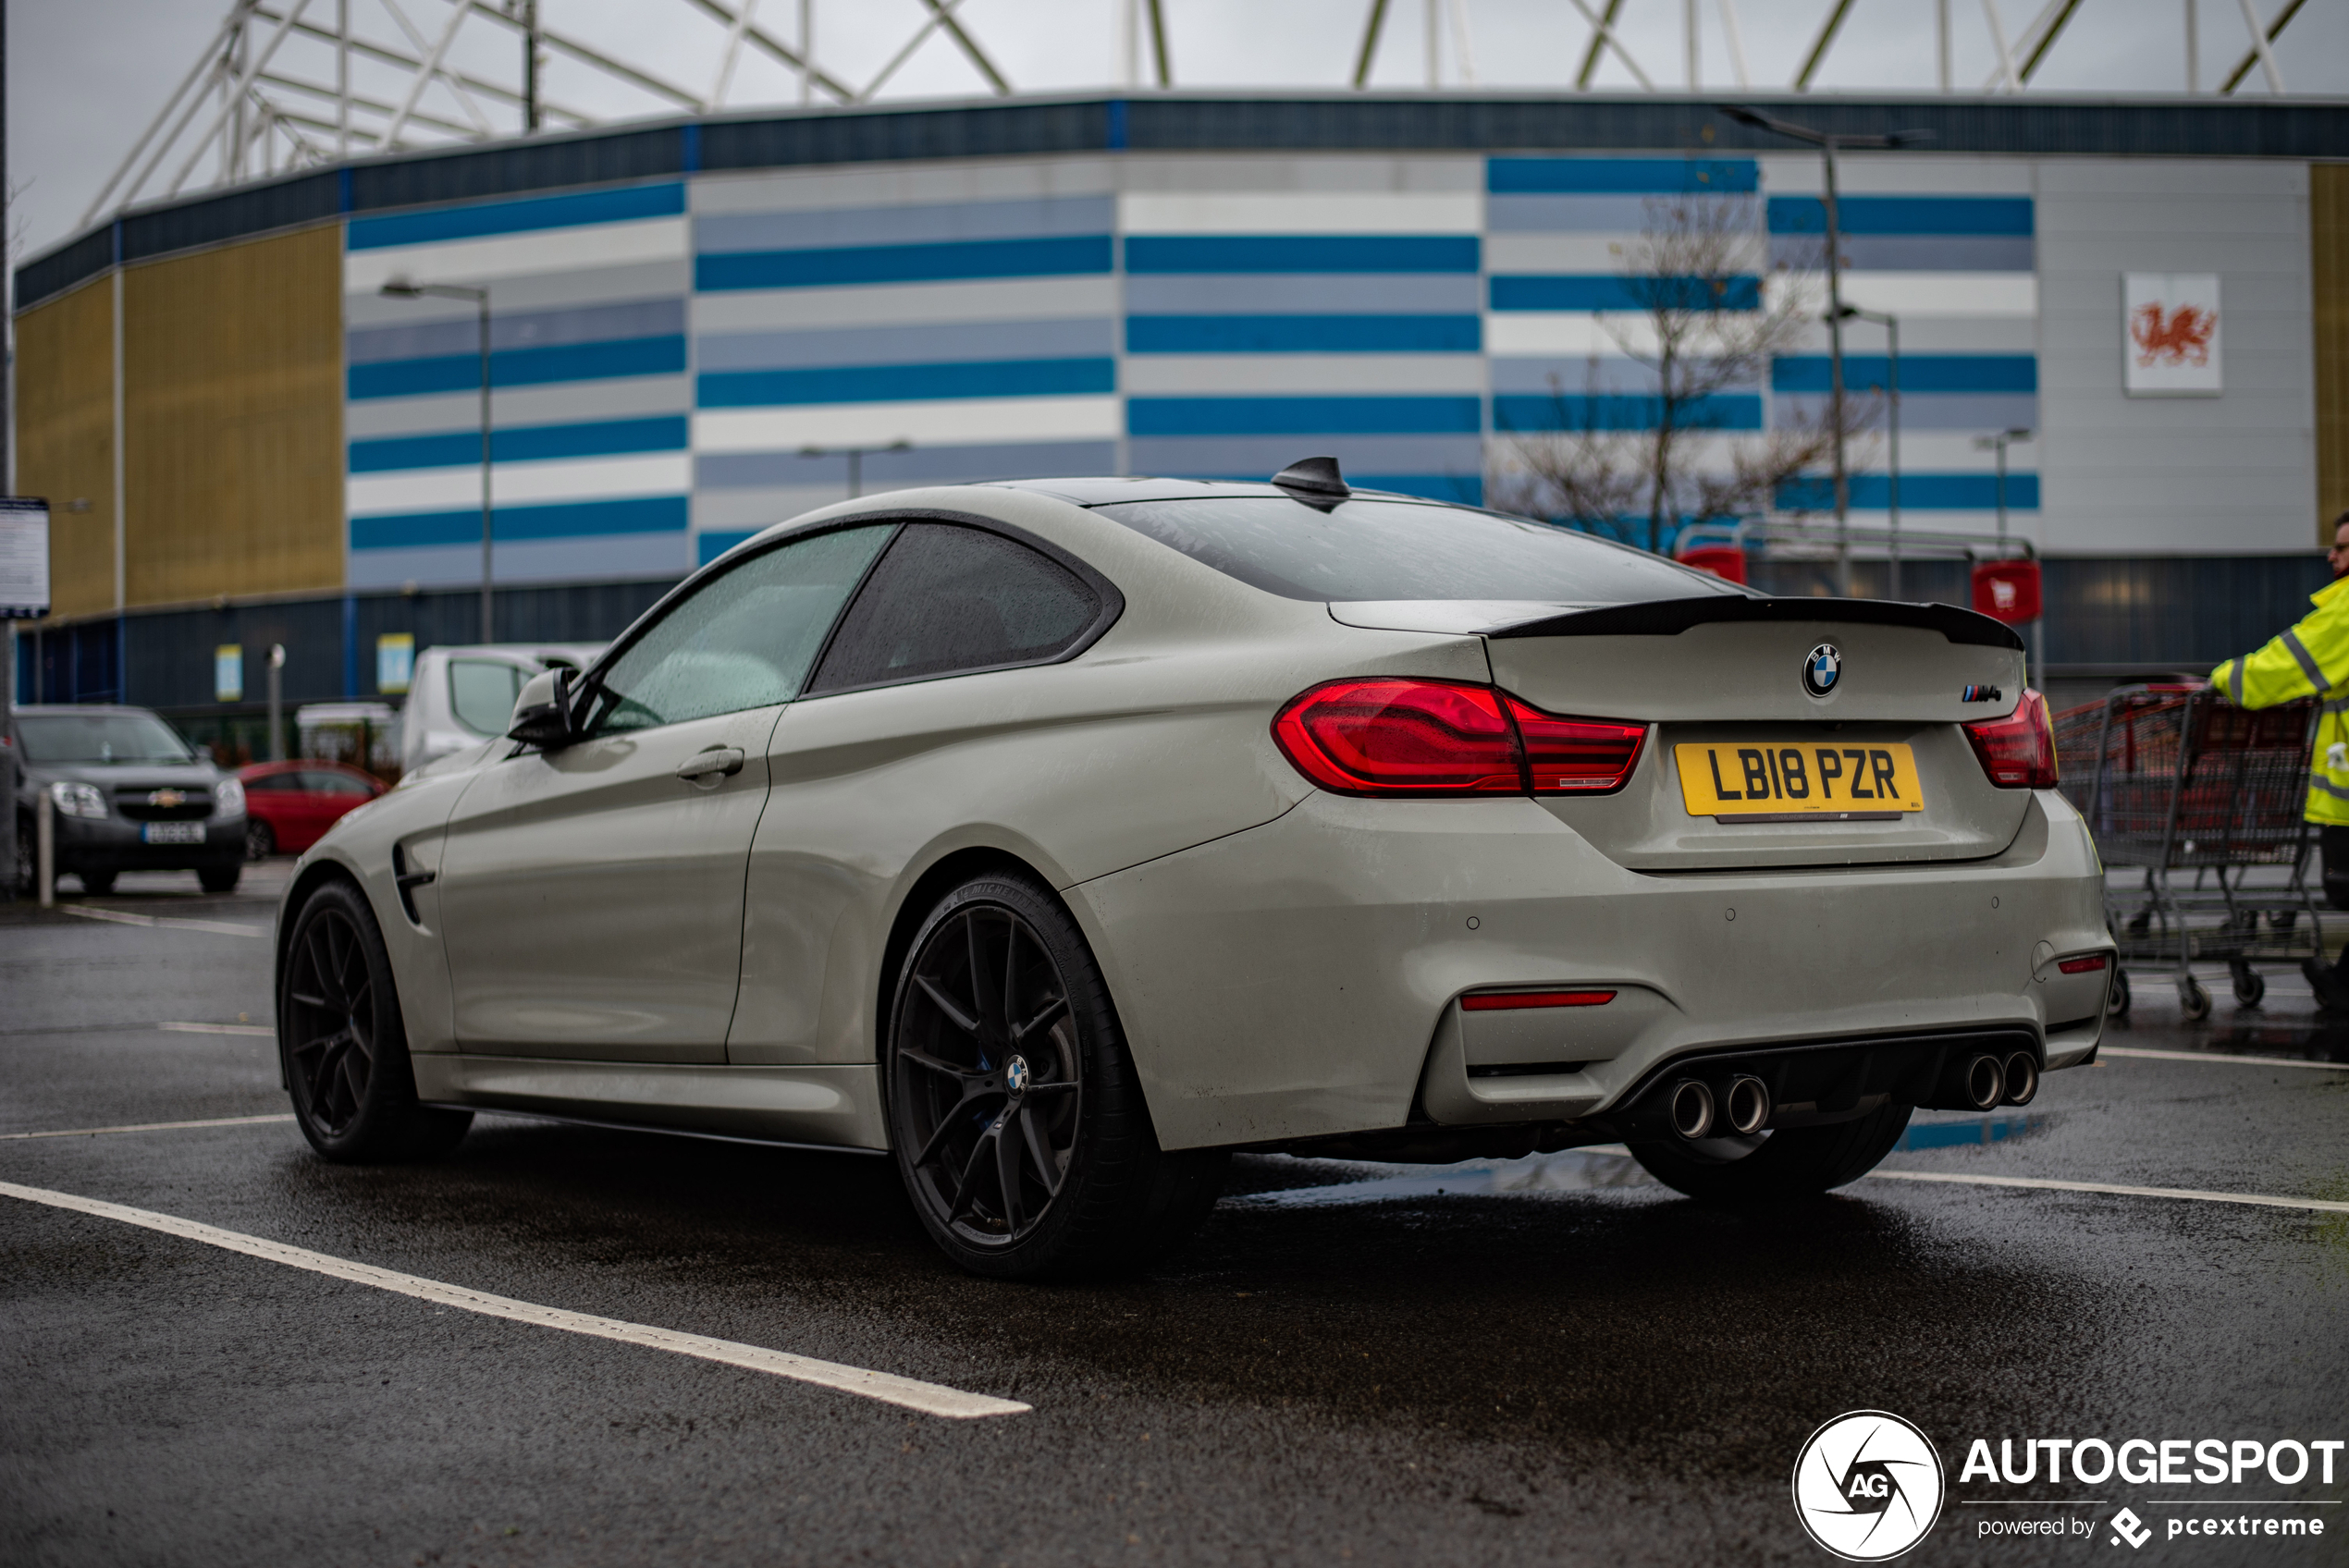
{"x":2312,"y":660}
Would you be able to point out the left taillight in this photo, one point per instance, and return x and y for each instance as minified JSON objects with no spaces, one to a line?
{"x":2019,"y":750}
{"x":1400,"y":737}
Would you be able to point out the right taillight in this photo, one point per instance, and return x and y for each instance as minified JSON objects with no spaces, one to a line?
{"x":2019,"y":750}
{"x":1399,"y":737}
{"x":1575,"y":756}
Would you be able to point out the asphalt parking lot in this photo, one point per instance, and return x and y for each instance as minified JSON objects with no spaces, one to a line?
{"x":1549,"y":1361}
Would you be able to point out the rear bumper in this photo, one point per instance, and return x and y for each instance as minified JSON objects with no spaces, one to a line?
{"x":1301,"y":979}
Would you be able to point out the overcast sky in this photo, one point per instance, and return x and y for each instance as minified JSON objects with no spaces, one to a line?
{"x":86,"y":77}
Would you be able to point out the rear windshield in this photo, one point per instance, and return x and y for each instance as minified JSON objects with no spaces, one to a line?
{"x":100,"y":737}
{"x":1397,"y":550}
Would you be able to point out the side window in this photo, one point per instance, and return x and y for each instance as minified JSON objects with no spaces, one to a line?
{"x":743,"y":640}
{"x":482,"y":692}
{"x":275,"y":783}
{"x":946,"y":600}
{"x":321,"y":782}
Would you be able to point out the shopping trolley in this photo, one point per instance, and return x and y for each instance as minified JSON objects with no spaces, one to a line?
{"x":2197,"y":792}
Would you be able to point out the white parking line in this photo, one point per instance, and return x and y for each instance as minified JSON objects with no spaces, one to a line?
{"x":2321,"y":1206}
{"x":262,"y":1030}
{"x":152,"y":1127}
{"x":124,"y":917}
{"x":2215,"y":1056}
{"x":931,"y":1399}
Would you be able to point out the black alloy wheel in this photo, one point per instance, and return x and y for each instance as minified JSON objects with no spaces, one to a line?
{"x":345,"y":1052}
{"x":1016,"y":1119}
{"x":990,"y":1075}
{"x":260,"y":841}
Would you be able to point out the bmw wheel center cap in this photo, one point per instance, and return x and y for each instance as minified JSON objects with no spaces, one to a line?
{"x":1822,"y":667}
{"x":1015,"y":1075}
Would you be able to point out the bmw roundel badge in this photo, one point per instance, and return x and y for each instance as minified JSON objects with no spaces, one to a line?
{"x":1822,"y":667}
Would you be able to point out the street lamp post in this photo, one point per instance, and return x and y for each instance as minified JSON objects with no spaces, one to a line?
{"x":856,"y":456}
{"x":1892,"y":325}
{"x":1999,"y":444}
{"x":1827,"y":146}
{"x":402,"y":288}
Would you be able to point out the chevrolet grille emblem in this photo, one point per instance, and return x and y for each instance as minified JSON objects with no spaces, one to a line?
{"x":167,"y":798}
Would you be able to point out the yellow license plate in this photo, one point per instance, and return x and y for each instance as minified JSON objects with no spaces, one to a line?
{"x":1808,"y":779}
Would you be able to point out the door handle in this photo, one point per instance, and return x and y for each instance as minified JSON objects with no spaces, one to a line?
{"x":722,"y":761}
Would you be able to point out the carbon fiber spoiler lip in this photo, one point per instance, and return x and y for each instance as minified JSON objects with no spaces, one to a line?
{"x":1669,"y":618}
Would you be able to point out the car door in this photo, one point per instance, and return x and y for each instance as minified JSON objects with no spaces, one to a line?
{"x":946,"y":600}
{"x":592,"y":894}
{"x":333,"y":794}
{"x":309,"y":807}
{"x":275,"y":798}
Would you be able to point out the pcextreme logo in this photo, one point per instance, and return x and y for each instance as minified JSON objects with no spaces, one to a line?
{"x":1867,"y":1486}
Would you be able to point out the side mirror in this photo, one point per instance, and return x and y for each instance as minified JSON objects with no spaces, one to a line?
{"x":542,"y":712}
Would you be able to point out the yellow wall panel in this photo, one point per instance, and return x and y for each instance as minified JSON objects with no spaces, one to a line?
{"x":233,"y":420}
{"x":2329,"y":229}
{"x":65,"y":438}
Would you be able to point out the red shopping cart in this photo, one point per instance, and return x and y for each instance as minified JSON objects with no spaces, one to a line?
{"x":2198,"y":793}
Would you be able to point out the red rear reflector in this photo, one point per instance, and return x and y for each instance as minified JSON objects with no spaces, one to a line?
{"x":1577,"y":755}
{"x":2089,"y":965}
{"x":1400,"y":737}
{"x":1396,"y":736}
{"x":2018,"y":752}
{"x":1508,"y":1001}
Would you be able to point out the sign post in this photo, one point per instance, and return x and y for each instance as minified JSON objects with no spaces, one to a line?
{"x":24,"y":595}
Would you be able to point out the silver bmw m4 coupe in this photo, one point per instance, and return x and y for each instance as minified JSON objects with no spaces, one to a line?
{"x":1058,"y":838}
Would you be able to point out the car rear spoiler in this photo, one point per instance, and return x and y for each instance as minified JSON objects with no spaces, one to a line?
{"x":1669,"y":618}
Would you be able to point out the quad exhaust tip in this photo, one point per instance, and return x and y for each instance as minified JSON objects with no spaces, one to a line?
{"x":1986,"y":1082}
{"x":1746,"y":1106}
{"x":1691,"y":1108}
{"x":2022,"y":1078}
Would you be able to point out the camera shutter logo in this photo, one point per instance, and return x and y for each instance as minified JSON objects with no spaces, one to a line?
{"x":1822,"y":667}
{"x":1868,"y":1486}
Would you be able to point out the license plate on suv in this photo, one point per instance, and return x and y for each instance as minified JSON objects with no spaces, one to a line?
{"x":172,"y":833}
{"x":1776,"y":781}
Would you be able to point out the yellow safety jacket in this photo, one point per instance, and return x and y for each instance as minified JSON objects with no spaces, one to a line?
{"x":2310,"y":660}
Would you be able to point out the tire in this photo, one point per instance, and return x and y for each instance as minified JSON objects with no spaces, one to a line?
{"x":1793,"y":1163}
{"x":27,"y":867}
{"x":220,"y":879}
{"x":345,"y":1050}
{"x":2249,"y":986}
{"x":2116,"y":1001}
{"x":95,"y":884}
{"x":260,"y":839}
{"x":1015,"y":1117}
{"x":2194,"y":999}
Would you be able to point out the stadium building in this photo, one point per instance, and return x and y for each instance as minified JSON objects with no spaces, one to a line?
{"x":701,"y":327}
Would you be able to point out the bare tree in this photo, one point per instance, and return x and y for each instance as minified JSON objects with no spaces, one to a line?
{"x":1704,"y":327}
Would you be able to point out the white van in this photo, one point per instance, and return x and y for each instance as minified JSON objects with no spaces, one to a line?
{"x":461,"y":696}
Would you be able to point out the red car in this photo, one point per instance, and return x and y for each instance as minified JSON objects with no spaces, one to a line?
{"x":288,"y":805}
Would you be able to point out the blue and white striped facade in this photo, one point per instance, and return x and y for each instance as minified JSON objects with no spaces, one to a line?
{"x":665,"y":354}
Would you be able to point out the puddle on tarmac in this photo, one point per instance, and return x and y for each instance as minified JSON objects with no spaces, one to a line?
{"x":1598,"y":1168}
{"x":1972,"y":1129}
{"x":1574,"y":1170}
